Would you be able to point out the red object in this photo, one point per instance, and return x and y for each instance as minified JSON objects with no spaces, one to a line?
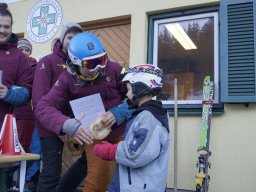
{"x":105,"y":150}
{"x":9,"y":140}
{"x":25,"y":129}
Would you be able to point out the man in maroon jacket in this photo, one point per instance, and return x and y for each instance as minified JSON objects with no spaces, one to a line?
{"x":47,"y":72}
{"x":89,"y":72}
{"x":16,"y":80}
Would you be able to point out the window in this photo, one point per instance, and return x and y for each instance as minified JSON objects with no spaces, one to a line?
{"x":186,"y":48}
{"x":185,"y":44}
{"x":189,"y":44}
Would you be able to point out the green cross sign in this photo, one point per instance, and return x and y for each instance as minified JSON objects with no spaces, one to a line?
{"x":43,"y":20}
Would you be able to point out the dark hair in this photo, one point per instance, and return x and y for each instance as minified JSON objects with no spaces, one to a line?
{"x":4,"y":11}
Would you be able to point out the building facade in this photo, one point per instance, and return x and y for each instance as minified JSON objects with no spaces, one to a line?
{"x":188,"y":40}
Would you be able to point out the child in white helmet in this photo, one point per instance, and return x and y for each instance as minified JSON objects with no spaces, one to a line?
{"x":142,"y":157}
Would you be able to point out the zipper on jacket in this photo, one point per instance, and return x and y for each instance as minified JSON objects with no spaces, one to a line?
{"x":129,"y":176}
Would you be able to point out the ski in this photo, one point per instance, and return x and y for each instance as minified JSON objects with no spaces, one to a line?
{"x":202,"y":177}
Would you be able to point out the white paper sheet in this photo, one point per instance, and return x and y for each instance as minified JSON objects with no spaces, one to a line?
{"x":88,"y":109}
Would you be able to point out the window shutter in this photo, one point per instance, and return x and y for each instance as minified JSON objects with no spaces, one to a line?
{"x":237,"y":51}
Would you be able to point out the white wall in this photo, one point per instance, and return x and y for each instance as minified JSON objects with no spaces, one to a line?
{"x":233,"y":140}
{"x":233,"y":133}
{"x":87,"y":10}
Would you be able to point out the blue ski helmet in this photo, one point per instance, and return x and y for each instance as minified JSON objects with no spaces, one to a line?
{"x":86,"y":50}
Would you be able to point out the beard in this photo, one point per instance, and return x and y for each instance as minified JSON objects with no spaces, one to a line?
{"x":4,"y":38}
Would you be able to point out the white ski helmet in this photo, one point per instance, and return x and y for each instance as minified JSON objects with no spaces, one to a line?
{"x":144,"y":79}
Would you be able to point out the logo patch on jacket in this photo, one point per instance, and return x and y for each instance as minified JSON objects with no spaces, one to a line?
{"x":57,"y":83}
{"x":42,"y":66}
{"x":108,"y":79}
{"x":64,"y":66}
{"x":140,"y":136}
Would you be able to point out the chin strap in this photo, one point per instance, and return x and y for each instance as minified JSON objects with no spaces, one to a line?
{"x":89,"y":79}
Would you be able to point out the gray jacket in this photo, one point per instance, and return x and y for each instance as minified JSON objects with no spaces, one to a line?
{"x":142,"y":157}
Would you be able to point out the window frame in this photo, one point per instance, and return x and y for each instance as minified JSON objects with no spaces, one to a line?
{"x":185,"y":107}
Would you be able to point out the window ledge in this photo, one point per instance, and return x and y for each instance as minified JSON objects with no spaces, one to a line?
{"x":218,"y":109}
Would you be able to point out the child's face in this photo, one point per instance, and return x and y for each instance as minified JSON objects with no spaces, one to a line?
{"x":129,"y":91}
{"x":25,"y":50}
{"x":67,"y":40}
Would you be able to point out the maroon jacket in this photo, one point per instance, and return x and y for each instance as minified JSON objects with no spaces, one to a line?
{"x":16,"y":71}
{"x":54,"y":109}
{"x":26,"y":111}
{"x":47,"y":72}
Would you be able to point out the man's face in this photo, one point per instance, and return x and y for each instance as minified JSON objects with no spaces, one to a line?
{"x":5,"y":29}
{"x":88,"y":73}
{"x":66,"y":40}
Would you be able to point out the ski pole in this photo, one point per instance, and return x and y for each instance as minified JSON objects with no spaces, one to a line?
{"x":175,"y":135}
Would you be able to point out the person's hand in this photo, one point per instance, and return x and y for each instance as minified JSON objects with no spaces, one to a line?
{"x":105,"y":150}
{"x":3,"y":91}
{"x":83,"y":136}
{"x":109,"y":120}
{"x":101,"y":127}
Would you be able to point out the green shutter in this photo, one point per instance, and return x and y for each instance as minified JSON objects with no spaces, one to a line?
{"x":237,"y":51}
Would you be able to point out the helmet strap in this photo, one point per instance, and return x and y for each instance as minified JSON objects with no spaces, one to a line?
{"x":83,"y":80}
{"x":89,"y":79}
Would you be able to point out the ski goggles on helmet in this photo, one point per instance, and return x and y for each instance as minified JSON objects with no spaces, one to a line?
{"x":91,"y":63}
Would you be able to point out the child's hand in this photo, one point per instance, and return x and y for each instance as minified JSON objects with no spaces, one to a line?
{"x":109,"y":119}
{"x":105,"y":150}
